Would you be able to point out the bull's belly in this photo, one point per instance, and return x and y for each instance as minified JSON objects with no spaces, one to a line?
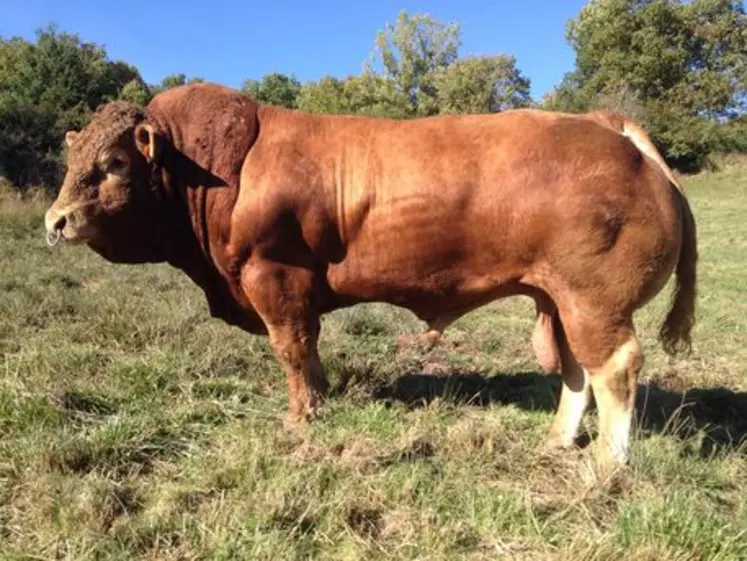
{"x":431,"y":284}
{"x":424,"y":252}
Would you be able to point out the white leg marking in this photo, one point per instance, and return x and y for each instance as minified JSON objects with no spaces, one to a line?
{"x":614,"y":388}
{"x":573,"y":404}
{"x":619,"y":436}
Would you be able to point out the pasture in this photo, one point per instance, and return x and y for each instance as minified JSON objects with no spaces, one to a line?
{"x":132,"y":425}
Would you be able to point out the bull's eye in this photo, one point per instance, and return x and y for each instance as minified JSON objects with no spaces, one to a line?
{"x":115,"y":165}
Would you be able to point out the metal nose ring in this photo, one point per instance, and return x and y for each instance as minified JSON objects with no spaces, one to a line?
{"x":53,"y":237}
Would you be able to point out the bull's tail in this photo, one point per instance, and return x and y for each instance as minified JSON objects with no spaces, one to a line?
{"x":675,"y":332}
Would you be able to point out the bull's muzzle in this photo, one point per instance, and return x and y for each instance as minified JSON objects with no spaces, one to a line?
{"x":54,"y":223}
{"x":68,"y":223}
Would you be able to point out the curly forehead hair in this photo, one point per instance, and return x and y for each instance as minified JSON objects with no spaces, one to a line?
{"x":107,"y":125}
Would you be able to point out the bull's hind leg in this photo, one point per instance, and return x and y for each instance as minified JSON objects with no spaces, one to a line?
{"x":574,"y":395}
{"x":614,"y":385}
{"x":609,"y":351}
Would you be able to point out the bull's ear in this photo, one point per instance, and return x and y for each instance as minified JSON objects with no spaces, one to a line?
{"x":70,"y":137}
{"x":148,"y":142}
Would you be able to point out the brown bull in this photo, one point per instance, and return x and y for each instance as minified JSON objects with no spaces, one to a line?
{"x":281,"y":216}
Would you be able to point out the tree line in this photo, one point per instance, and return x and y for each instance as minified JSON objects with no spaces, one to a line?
{"x":679,"y":67}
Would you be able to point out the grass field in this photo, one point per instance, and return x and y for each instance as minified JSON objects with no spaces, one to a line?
{"x":134,"y":426}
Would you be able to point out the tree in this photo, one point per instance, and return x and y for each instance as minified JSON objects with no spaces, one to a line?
{"x":173,"y":81}
{"x":681,"y":66}
{"x":480,"y":85}
{"x":274,"y":89}
{"x":137,"y":92}
{"x":567,"y":96}
{"x":325,"y":96}
{"x":29,"y":143}
{"x":367,"y":94}
{"x":60,"y":70}
{"x":46,"y":88}
{"x":415,"y":70}
{"x":376,"y":96}
{"x":409,"y":52}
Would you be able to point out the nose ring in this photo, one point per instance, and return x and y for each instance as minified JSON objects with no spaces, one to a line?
{"x":53,"y":237}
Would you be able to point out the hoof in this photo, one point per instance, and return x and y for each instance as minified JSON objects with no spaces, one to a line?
{"x":293,"y":422}
{"x":611,"y":462}
{"x":555,"y":454}
{"x":299,"y":419}
{"x":556,"y":442}
{"x":556,"y":448}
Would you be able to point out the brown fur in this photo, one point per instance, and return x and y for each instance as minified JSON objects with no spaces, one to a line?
{"x":675,"y":331}
{"x":109,"y":122}
{"x":282,"y":216}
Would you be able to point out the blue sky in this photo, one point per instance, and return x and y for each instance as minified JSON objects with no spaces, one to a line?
{"x":228,"y":41}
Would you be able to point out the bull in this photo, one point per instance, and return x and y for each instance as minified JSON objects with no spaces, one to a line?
{"x":282,"y":216}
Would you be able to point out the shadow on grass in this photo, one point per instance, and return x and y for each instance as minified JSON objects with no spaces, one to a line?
{"x":719,"y":412}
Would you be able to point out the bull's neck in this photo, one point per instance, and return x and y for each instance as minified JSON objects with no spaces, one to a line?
{"x":206,"y":207}
{"x":207,"y":138}
{"x":199,"y":241}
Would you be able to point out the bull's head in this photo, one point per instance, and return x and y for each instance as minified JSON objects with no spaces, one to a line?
{"x":106,"y":199}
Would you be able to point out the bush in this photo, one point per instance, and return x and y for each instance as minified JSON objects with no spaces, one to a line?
{"x":30,"y":144}
{"x":732,"y":137}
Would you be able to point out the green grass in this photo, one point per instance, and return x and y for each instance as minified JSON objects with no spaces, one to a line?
{"x":134,"y":426}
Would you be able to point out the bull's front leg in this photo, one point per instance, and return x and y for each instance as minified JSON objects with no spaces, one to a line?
{"x":295,"y":346}
{"x":282,"y":299}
